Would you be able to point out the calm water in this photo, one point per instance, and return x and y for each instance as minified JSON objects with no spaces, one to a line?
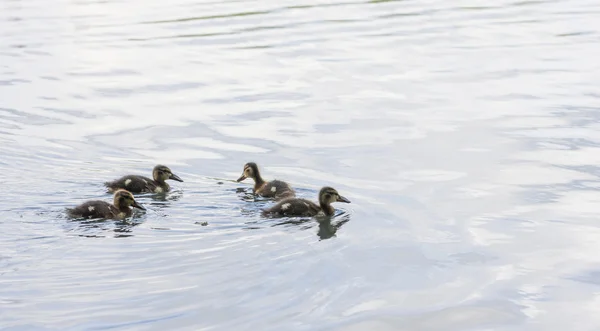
{"x":467,"y":136}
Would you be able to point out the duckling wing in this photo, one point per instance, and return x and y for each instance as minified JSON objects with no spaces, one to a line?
{"x":294,"y":207}
{"x":277,"y":189}
{"x":93,"y":209}
{"x":133,"y":184}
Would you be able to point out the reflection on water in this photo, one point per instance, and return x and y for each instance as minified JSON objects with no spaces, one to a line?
{"x":327,"y":227}
{"x":101,"y":228}
{"x":465,"y":134}
{"x":94,"y":228}
{"x":164,"y":200}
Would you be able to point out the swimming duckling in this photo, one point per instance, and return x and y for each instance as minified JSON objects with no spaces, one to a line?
{"x":141,"y":184}
{"x":274,"y":189}
{"x":303,"y":207}
{"x":102,"y":209}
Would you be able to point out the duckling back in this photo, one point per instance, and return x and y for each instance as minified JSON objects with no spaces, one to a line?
{"x":277,"y":189}
{"x":293,"y":207}
{"x":94,"y":209}
{"x":133,"y":184}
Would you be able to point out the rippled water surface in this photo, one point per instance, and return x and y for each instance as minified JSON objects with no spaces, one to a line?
{"x":466,"y":134}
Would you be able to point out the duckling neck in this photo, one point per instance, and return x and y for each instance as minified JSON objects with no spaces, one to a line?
{"x":258,"y":181}
{"x":327,"y":209}
{"x":162,"y":183}
{"x":121,"y":207}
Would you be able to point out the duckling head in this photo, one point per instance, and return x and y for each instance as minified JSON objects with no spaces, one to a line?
{"x":161,"y":173}
{"x":250,"y":171}
{"x":329,"y":195}
{"x":124,"y":199}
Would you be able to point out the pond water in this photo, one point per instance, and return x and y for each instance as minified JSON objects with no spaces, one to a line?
{"x":466,"y":135}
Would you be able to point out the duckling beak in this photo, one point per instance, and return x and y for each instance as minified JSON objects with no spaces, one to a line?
{"x":241,"y":178}
{"x":342,"y":199}
{"x":138,"y":206}
{"x":175,"y":177}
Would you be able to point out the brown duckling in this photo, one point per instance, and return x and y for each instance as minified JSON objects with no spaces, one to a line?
{"x":102,"y":209}
{"x":274,"y":189}
{"x":303,"y":207}
{"x":141,"y":184}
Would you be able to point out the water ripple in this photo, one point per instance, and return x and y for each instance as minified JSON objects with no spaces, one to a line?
{"x":465,"y":135}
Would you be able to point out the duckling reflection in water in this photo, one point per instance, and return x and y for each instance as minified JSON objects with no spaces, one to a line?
{"x":274,"y":189}
{"x":303,"y":207}
{"x":120,"y":208}
{"x":141,"y":184}
{"x":327,"y":229}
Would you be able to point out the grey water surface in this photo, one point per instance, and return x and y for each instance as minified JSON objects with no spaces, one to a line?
{"x":466,"y":134}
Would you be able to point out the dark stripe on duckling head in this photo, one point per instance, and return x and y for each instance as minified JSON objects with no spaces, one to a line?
{"x":250,"y":171}
{"x":124,"y":199}
{"x":161,"y":168}
{"x":328,"y":195}
{"x":161,"y":173}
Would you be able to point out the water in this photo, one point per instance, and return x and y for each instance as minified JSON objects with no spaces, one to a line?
{"x":466,"y":136}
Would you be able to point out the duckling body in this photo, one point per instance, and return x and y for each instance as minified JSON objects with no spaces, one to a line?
{"x":120,"y":208}
{"x":276,"y":189}
{"x":99,"y":209}
{"x":141,"y":184}
{"x":137,"y":184}
{"x":303,"y":207}
{"x":294,"y":207}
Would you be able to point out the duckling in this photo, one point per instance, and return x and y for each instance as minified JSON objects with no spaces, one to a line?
{"x":303,"y":207}
{"x":274,"y":189}
{"x":101,"y":209}
{"x":141,"y":184}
